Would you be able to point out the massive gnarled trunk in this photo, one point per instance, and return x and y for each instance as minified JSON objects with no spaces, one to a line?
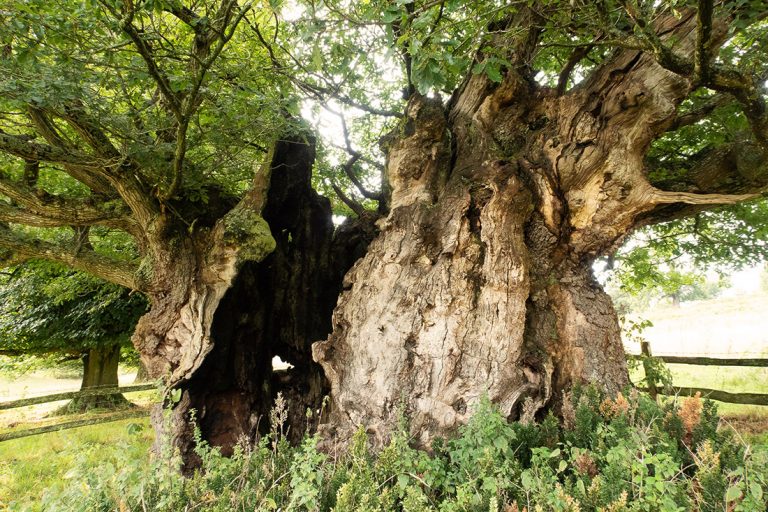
{"x":480,"y":282}
{"x":478,"y":279}
{"x":465,"y":292}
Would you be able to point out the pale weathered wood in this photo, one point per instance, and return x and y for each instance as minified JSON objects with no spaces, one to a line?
{"x":133,"y":413}
{"x":74,"y":394}
{"x":716,"y":394}
{"x":708,"y":361}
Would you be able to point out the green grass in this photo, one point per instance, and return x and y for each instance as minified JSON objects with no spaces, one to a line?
{"x":725,"y":378}
{"x":30,"y":465}
{"x":731,"y":379}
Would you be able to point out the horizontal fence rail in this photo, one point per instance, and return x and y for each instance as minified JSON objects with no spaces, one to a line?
{"x":707,"y":361}
{"x":24,"y":402}
{"x":135,"y":412}
{"x":714,"y":394}
{"x":104,"y":418}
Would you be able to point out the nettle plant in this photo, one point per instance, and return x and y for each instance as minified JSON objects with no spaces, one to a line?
{"x":623,"y":454}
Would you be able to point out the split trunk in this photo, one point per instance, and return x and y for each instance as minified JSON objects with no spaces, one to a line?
{"x":478,"y":280}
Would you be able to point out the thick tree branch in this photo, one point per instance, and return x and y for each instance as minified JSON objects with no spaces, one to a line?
{"x":349,"y":166}
{"x":577,"y":56}
{"x":110,"y":269}
{"x":726,"y":175}
{"x":24,"y":148}
{"x":147,"y":54}
{"x":121,"y":172}
{"x":703,"y":54}
{"x":664,"y":197}
{"x":349,"y":170}
{"x":351,"y":203}
{"x":91,"y":132}
{"x":202,"y":58}
{"x":45,"y":127}
{"x":694,"y":116}
{"x":746,"y":87}
{"x":323,"y":93}
{"x":185,"y":14}
{"x":45,"y":210}
{"x":58,"y":219}
{"x":733,"y":169}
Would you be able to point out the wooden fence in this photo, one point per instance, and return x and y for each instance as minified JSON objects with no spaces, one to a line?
{"x":714,"y":394}
{"x":653,"y":388}
{"x":101,"y":418}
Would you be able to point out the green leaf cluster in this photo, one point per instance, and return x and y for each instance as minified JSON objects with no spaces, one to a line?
{"x":46,"y":308}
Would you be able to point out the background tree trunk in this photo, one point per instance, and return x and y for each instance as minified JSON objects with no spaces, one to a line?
{"x":100,"y":365}
{"x":142,"y":374}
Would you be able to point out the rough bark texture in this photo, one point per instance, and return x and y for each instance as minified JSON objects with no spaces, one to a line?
{"x":480,"y":281}
{"x":235,"y":320}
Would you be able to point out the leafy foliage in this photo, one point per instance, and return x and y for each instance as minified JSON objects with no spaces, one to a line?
{"x":45,"y":308}
{"x":621,"y":454}
{"x":82,"y":75}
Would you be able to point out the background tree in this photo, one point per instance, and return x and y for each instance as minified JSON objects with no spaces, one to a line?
{"x":568,"y":126}
{"x":46,"y":309}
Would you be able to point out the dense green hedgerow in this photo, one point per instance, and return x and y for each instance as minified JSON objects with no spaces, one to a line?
{"x":622,"y":454}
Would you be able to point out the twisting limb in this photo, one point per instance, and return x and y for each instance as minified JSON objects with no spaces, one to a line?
{"x":146,"y":52}
{"x":694,"y":116}
{"x":202,"y":58}
{"x":664,"y":197}
{"x":91,"y":132}
{"x":121,"y":172}
{"x":110,"y":269}
{"x":351,"y":203}
{"x":349,"y":166}
{"x":577,"y":56}
{"x":47,"y":210}
{"x":746,"y":87}
{"x":323,"y":93}
{"x":184,"y":14}
{"x":397,"y":32}
{"x":24,"y":148}
{"x":703,"y":52}
{"x":370,"y":161}
{"x":45,"y":126}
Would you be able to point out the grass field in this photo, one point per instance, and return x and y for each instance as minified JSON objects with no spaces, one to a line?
{"x":30,"y":465}
{"x":724,"y":327}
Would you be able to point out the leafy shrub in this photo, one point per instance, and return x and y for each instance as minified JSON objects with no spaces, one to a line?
{"x":608,"y":454}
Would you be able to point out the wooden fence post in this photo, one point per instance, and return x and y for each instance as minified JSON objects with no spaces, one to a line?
{"x":650,"y":376}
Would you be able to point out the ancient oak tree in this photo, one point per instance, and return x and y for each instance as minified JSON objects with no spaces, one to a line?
{"x":158,"y":145}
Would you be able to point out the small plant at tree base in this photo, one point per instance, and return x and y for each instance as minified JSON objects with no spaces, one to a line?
{"x":623,"y":454}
